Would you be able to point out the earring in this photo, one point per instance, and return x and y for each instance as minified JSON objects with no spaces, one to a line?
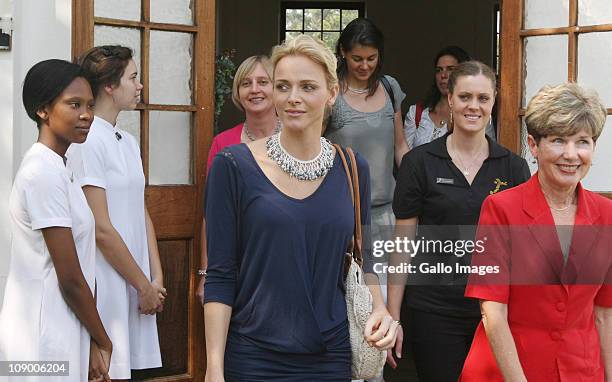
{"x":450,"y":123}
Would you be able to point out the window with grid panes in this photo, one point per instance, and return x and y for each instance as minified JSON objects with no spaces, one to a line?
{"x":324,"y":20}
{"x":548,"y":42}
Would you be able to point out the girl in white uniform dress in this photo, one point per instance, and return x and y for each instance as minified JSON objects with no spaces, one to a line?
{"x":49,"y":312}
{"x":109,"y":168}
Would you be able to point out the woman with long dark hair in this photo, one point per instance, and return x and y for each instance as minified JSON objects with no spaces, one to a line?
{"x":367,"y":113}
{"x":429,"y":119}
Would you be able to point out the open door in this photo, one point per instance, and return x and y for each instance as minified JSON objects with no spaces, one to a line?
{"x":550,"y":42}
{"x":174,"y":45}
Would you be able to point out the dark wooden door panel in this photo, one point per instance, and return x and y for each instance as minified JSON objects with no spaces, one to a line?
{"x":173,"y":211}
{"x":173,"y":322}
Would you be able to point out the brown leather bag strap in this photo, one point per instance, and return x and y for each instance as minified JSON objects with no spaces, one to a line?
{"x":352,"y":178}
{"x":349,"y":179}
{"x":357,"y":202}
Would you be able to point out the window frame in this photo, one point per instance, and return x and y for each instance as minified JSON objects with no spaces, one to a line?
{"x":358,"y":6}
{"x":512,"y":45}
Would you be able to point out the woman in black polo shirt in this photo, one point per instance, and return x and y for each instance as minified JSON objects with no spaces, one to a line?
{"x":441,"y":187}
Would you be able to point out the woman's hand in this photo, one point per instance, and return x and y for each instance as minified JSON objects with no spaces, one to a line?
{"x":381,"y":330}
{"x":391,"y":360}
{"x":99,"y":363}
{"x":161,"y":293}
{"x":214,"y":375}
{"x":148,"y":299}
{"x":200,"y":290}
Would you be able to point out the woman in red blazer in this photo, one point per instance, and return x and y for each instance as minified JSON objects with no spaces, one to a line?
{"x":547,"y":308}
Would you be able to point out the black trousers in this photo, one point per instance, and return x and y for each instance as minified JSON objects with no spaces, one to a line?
{"x":440,"y":344}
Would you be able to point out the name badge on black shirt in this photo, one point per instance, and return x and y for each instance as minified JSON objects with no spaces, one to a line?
{"x":445,"y":181}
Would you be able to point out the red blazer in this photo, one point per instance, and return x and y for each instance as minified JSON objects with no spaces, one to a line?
{"x":550,"y":304}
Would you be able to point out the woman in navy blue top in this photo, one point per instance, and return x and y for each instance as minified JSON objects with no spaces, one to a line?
{"x":274,"y":300}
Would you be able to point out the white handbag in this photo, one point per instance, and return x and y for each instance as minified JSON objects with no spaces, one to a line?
{"x":367,"y":362}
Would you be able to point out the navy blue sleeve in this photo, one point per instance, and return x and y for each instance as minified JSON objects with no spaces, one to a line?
{"x":222,"y":238}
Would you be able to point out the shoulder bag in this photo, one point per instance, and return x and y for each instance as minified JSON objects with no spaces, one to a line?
{"x":367,"y":362}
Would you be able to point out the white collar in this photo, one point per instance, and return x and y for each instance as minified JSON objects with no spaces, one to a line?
{"x":51,"y":155}
{"x":104,"y":123}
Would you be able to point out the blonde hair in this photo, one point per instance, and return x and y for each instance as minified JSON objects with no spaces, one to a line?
{"x":312,"y":48}
{"x":246,"y":67}
{"x":565,"y":110}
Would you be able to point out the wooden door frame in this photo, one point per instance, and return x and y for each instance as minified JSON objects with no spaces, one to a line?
{"x":511,"y":63}
{"x":185,"y":224}
{"x":513,"y":33}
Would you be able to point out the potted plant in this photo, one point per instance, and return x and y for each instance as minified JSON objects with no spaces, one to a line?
{"x":225,"y":69}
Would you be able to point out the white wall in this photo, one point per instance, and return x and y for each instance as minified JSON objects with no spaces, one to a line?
{"x":6,"y":146}
{"x":42,"y":30}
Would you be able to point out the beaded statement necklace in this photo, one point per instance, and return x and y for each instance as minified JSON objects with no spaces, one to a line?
{"x":312,"y":169}
{"x":250,"y":135}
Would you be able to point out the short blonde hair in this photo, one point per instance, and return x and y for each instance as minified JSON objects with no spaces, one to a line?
{"x":565,"y":110}
{"x":246,"y":67}
{"x":312,"y":48}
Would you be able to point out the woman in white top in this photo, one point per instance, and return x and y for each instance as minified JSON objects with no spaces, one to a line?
{"x":109,"y":168}
{"x":429,"y":119}
{"x":49,"y":312}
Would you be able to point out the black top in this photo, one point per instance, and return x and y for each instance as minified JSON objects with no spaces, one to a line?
{"x":432,"y":188}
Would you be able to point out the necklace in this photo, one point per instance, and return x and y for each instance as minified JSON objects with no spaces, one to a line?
{"x":301,"y":169}
{"x":467,"y":169}
{"x":437,"y":131}
{"x":358,"y":91}
{"x":250,"y":135}
{"x":549,"y":200}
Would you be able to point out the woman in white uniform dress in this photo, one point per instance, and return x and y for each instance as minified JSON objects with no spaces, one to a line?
{"x":49,"y":312}
{"x":109,"y":168}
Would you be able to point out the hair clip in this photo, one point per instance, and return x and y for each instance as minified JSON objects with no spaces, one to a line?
{"x":109,"y":52}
